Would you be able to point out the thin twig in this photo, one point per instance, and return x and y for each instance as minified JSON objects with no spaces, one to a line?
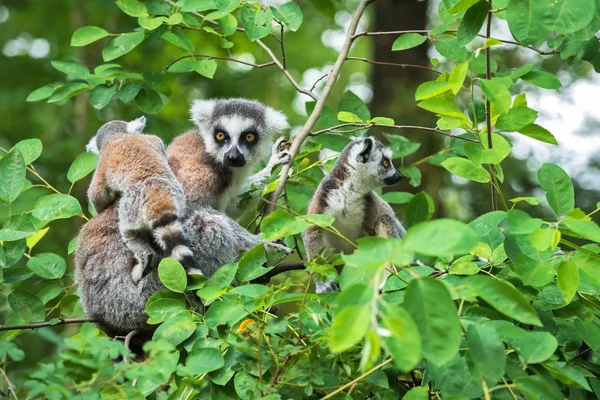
{"x":280,"y":369}
{"x":127,"y":342}
{"x":488,"y":112}
{"x":280,"y":269}
{"x":320,"y":103}
{"x":44,"y":324}
{"x":393,"y":64}
{"x":209,"y":57}
{"x":282,"y":47}
{"x":317,"y":81}
{"x":366,"y":126}
{"x":9,"y":384}
{"x":369,"y":372}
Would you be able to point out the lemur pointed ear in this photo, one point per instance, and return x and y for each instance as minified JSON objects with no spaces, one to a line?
{"x":366,"y":151}
{"x":201,"y":111}
{"x":92,"y":146}
{"x":137,"y":125}
{"x":275,"y":121}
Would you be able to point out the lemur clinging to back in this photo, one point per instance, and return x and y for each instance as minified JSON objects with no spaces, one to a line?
{"x":347,"y":193}
{"x":133,"y":167}
{"x":108,"y":294}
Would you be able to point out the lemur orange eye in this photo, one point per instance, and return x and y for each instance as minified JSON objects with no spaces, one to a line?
{"x":385,"y":163}
{"x":220,"y":136}
{"x":250,"y":137}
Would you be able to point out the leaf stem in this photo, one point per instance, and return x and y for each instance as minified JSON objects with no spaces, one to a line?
{"x":369,"y":372}
{"x":61,"y":321}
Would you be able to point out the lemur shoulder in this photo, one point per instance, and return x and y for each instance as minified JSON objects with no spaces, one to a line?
{"x":347,"y":194}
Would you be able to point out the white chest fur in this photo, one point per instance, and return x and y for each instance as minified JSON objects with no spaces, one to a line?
{"x":347,"y":206}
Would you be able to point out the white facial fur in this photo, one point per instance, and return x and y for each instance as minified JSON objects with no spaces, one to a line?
{"x":370,"y":174}
{"x":235,"y":124}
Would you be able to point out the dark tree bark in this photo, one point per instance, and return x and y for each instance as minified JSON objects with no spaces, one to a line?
{"x":394,"y":87}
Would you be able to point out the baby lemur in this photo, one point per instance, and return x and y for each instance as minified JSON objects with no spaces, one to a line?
{"x":133,"y":167}
{"x":347,"y":193}
{"x":210,"y":178}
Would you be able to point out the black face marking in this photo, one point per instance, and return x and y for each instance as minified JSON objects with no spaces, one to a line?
{"x":364,"y":155}
{"x":249,"y":137}
{"x":385,"y":163}
{"x":217,"y":133}
{"x":392,"y":180}
{"x":242,"y":108}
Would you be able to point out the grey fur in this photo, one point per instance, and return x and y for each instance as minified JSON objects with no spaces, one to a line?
{"x":347,"y":193}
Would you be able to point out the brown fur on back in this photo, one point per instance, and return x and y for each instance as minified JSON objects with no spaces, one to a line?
{"x":203,"y":179}
{"x":135,"y":156}
{"x":159,"y":205}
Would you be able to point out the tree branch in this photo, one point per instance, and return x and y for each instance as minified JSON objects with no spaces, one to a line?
{"x":61,"y":321}
{"x":11,"y":388}
{"x":393,"y":64}
{"x":209,"y":57}
{"x":280,"y":269}
{"x":366,"y":126}
{"x":488,"y":113}
{"x":314,"y":116}
{"x":369,"y":372}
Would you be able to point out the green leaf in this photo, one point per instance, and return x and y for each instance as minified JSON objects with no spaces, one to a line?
{"x":86,"y":35}
{"x":73,"y":69}
{"x":205,"y":68}
{"x":223,"y":276}
{"x":452,"y":50}
{"x":332,"y":141}
{"x":280,"y":224}
{"x":256,"y":21}
{"x":27,"y":305}
{"x":464,"y":268}
{"x":447,"y":123}
{"x":567,"y":280}
{"x":420,"y":209}
{"x":408,"y":41}
{"x":129,"y":91}
{"x":122,"y":45}
{"x":350,"y":102}
{"x":15,"y":228}
{"x":31,"y":241}
{"x":432,"y":89}
{"x":442,"y":107}
{"x":519,"y":222}
{"x":486,"y":351}
{"x":12,"y":176}
{"x":524,"y":21}
{"x":503,"y":297}
{"x":466,"y":169}
{"x":497,"y":93}
{"x":349,"y":327}
{"x":559,"y":188}
{"x":321,"y":220}
{"x":566,"y":16}
{"x":56,"y":206}
{"x":175,"y":329}
{"x":251,"y":264}
{"x":534,"y":347}
{"x":460,"y":6}
{"x":516,"y":118}
{"x":172,"y":275}
{"x":401,"y":146}
{"x":133,"y":8}
{"x":538,"y":133}
{"x":149,"y":101}
{"x":290,"y":14}
{"x":404,"y":341}
{"x":30,"y":149}
{"x":48,"y":265}
{"x":450,"y":236}
{"x":101,"y":95}
{"x":382,"y":121}
{"x":534,"y":201}
{"x":542,"y":79}
{"x":472,"y":22}
{"x":589,"y":331}
{"x":41,"y":93}
{"x":435,"y":314}
{"x":50,"y":292}
{"x":151,"y":23}
{"x":224,"y":312}
{"x":198,"y":5}
{"x":177,"y":37}
{"x":417,"y":393}
{"x":457,"y":77}
{"x":201,"y":361}
{"x":480,"y":153}
{"x":397,"y":197}
{"x":161,"y":309}
{"x":587,"y":229}
{"x":345,"y":116}
{"x":67,"y":91}
{"x":84,"y":164}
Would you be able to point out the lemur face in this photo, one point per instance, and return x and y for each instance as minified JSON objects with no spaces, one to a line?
{"x":237,"y":131}
{"x":374,"y":161}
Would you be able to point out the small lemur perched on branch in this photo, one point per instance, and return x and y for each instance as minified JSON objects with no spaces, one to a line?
{"x":347,"y":193}
{"x":103,"y":262}
{"x":133,"y":167}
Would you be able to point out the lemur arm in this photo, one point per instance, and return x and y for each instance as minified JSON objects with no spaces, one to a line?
{"x":99,"y":194}
{"x":277,"y":157}
{"x":387,"y":225}
{"x":313,"y":240}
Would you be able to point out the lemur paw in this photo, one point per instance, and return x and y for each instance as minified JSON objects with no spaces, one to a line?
{"x":279,"y":156}
{"x":278,"y":247}
{"x":326,"y":287}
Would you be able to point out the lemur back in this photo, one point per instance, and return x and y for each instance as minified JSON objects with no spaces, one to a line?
{"x":134,"y":168}
{"x":347,"y":194}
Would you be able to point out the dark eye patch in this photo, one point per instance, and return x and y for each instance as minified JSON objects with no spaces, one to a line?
{"x":250,"y":132}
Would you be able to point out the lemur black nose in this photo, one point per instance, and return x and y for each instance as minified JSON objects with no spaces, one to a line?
{"x":233,"y":158}
{"x":393,"y":179}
